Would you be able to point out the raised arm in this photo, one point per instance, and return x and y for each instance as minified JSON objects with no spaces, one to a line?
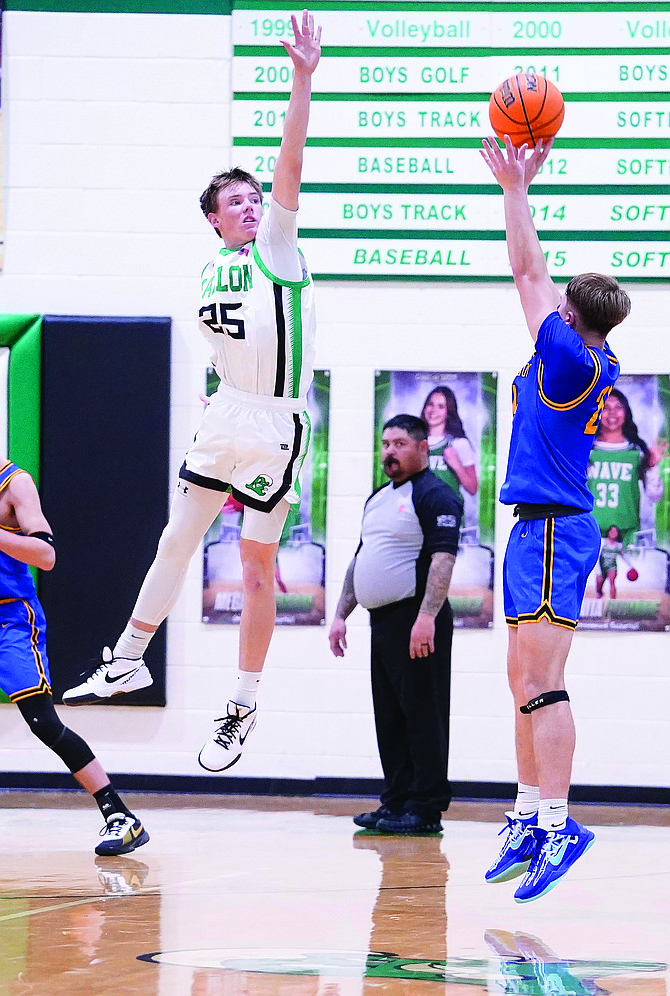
{"x":514,"y":172}
{"x":305,"y":53}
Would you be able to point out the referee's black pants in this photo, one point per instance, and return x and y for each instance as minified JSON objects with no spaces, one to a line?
{"x":411,"y":705}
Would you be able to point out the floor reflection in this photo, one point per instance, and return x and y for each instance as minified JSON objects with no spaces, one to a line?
{"x":236,"y":900}
{"x":526,"y":965}
{"x":66,"y":945}
{"x":408,"y":939}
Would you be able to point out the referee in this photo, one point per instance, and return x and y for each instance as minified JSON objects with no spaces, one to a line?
{"x":401,"y":574}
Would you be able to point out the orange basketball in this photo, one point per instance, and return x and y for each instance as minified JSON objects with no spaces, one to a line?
{"x":527,"y":107}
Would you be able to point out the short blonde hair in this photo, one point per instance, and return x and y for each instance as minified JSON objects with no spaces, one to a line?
{"x":599,"y":300}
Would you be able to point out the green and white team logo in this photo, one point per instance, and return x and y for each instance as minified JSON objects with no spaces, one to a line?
{"x":530,"y":977}
{"x":261,"y":485}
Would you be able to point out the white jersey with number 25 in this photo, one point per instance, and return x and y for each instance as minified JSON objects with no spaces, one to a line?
{"x":257,"y":311}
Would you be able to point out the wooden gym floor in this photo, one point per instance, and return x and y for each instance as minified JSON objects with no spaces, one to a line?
{"x":241,"y":896}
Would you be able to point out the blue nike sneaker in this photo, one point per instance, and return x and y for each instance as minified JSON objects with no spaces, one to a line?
{"x":516,"y":852}
{"x":556,"y":852}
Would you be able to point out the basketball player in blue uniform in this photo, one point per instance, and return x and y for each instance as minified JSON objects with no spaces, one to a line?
{"x":557,"y":400}
{"x":26,"y":539}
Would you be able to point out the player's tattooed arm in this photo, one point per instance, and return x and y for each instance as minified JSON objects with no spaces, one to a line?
{"x":437,"y":585}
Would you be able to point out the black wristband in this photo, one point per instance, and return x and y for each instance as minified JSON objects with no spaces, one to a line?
{"x":47,"y":537}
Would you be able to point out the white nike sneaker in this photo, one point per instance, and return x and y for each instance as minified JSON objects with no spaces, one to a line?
{"x":113,"y":676}
{"x":225,"y":747}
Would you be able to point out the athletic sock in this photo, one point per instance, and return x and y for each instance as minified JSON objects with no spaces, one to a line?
{"x":246,"y":688}
{"x":527,"y":801}
{"x":132,"y":643}
{"x":552,"y":814}
{"x":109,"y":802}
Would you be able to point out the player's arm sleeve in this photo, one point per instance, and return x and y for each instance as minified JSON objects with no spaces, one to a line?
{"x":568,"y":366}
{"x":440,"y":517}
{"x":277,"y":242}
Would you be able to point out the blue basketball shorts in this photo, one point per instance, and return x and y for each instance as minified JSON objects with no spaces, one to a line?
{"x":546,"y":567}
{"x":24,"y":665}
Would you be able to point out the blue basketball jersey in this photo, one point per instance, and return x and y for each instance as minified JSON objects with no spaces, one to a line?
{"x":16,"y":581}
{"x":557,"y":401}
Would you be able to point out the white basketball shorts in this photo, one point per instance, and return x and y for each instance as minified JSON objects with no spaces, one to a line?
{"x":251,"y":445}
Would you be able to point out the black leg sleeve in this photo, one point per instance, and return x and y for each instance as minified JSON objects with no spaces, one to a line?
{"x":43,"y":720}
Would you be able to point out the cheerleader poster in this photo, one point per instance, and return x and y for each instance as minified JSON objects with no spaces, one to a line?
{"x":460,"y":411}
{"x":629,"y":477}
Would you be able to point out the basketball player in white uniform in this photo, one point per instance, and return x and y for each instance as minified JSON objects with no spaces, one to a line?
{"x":257,"y":311}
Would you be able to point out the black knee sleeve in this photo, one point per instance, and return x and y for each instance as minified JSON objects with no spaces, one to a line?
{"x":547,"y":698}
{"x":40,"y":715}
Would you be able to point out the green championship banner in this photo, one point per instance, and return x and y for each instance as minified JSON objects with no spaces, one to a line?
{"x":393,"y":184}
{"x":629,"y":477}
{"x":301,"y":559}
{"x":460,"y":411}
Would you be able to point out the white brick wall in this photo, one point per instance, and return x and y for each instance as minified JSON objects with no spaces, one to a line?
{"x":113,"y":125}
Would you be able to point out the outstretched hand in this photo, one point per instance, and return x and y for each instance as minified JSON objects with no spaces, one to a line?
{"x":514,"y":169}
{"x":658,"y":451}
{"x":305,"y":51}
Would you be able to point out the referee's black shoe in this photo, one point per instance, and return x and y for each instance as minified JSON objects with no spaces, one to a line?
{"x":369,"y":821}
{"x":409,"y":823}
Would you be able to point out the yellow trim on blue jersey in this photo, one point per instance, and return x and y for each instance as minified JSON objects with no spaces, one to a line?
{"x":545,"y":610}
{"x":566,"y":405}
{"x":8,"y":463}
{"x":40,"y":689}
{"x":44,"y":685}
{"x":10,"y":529}
{"x":548,"y":562}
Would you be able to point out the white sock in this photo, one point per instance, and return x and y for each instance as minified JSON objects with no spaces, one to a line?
{"x":552,"y":814}
{"x":527,"y":801}
{"x":132,"y":643}
{"x":246,"y":688}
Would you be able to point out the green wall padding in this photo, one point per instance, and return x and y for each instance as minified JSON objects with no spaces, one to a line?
{"x":22,"y":334}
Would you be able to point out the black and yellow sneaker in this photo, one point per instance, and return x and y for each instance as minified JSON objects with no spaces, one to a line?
{"x":121,"y":834}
